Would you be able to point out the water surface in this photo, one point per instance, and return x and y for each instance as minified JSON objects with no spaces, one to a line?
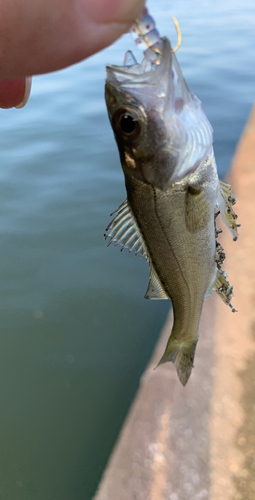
{"x":76,"y":332}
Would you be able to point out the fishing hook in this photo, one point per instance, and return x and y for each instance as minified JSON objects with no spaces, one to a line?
{"x":179,"y":34}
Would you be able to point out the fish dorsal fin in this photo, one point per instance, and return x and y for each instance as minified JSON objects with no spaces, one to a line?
{"x":155,"y":289}
{"x":123,"y":229}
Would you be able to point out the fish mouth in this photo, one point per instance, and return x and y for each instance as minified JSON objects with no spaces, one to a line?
{"x":146,"y":72}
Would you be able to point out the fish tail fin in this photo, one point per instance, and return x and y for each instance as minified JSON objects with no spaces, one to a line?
{"x":182,"y":356}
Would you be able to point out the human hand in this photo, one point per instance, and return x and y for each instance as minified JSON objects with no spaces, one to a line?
{"x":39,"y":36}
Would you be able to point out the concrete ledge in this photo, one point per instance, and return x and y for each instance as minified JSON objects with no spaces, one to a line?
{"x":198,"y":442}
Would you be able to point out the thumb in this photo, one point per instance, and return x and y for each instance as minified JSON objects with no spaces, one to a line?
{"x":39,"y":36}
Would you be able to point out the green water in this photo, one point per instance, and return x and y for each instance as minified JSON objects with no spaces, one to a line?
{"x":76,"y":332}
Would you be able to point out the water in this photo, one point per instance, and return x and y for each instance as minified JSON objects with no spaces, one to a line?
{"x":76,"y":332}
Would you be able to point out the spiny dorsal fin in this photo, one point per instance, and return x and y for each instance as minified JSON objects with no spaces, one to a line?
{"x":123,"y":229}
{"x":155,"y":290}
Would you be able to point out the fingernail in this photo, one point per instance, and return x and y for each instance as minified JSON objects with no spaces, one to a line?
{"x":28,"y":85}
{"x":14,"y":92}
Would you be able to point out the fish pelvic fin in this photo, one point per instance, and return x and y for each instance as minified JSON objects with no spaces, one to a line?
{"x":182,"y":356}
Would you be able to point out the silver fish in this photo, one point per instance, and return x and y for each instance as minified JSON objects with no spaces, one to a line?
{"x":173,"y":191}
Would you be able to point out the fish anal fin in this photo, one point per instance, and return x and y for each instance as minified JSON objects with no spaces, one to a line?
{"x":182,"y":356}
{"x":155,"y":289}
{"x":124,"y":230}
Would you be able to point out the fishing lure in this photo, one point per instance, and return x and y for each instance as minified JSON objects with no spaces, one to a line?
{"x":147,"y":37}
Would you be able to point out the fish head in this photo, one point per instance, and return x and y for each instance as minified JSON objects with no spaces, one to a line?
{"x":160,"y":127}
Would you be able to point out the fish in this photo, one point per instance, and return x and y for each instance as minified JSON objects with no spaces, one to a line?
{"x":174,"y":194}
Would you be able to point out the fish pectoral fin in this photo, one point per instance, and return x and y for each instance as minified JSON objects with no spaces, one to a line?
{"x":181,"y":353}
{"x":226,"y":199}
{"x":155,"y":288}
{"x":223,"y":288}
{"x":124,"y":230}
{"x":197,"y":209}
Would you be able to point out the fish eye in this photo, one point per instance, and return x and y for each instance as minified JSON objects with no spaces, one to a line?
{"x":127,"y":123}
